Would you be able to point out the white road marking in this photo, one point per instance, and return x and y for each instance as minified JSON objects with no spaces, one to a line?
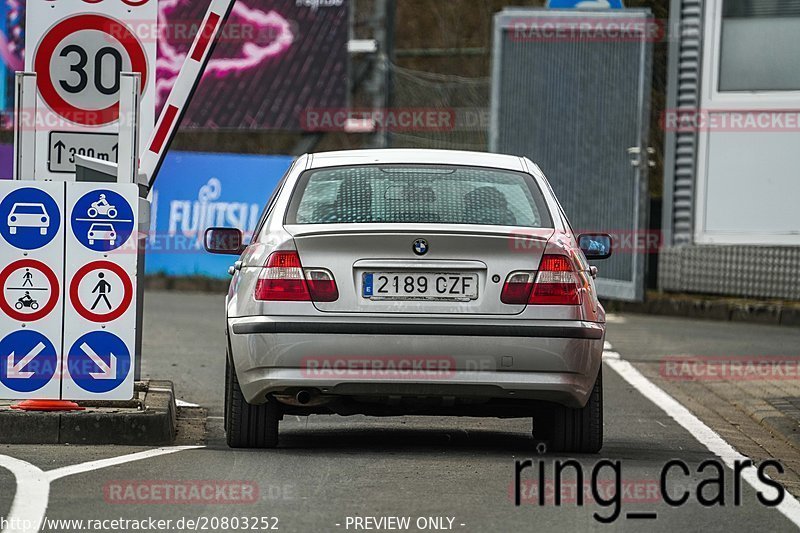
{"x":789,"y":507}
{"x":72,"y":470}
{"x":33,"y":484}
{"x":615,"y":319}
{"x":30,"y":500}
{"x":181,"y":403}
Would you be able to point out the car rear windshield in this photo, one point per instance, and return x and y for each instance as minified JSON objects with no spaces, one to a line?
{"x":418,"y":195}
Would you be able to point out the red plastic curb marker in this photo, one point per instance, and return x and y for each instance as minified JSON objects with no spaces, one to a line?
{"x":48,"y":405}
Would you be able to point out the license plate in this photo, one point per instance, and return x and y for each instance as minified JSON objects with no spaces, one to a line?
{"x":419,"y":286}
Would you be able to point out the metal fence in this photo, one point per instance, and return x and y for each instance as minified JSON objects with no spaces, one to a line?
{"x":580,"y":109}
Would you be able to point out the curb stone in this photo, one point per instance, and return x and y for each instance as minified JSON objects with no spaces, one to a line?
{"x":711,"y":308}
{"x":152,"y":421}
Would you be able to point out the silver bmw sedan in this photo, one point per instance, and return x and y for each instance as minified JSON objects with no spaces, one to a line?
{"x":402,"y":282}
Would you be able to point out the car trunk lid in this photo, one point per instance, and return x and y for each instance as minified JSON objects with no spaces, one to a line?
{"x":455,"y":255}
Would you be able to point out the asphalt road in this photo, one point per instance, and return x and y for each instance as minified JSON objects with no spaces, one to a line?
{"x":440,"y":473}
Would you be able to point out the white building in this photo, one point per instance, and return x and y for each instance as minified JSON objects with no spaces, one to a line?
{"x":732,"y":157}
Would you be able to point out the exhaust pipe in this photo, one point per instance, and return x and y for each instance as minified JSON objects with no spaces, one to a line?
{"x":303,"y":397}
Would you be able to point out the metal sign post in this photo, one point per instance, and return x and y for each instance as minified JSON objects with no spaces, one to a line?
{"x":129,"y":112}
{"x":25,"y":126}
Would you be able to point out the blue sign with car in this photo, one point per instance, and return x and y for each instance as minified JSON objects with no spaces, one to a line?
{"x":29,"y":219}
{"x":196,"y":191}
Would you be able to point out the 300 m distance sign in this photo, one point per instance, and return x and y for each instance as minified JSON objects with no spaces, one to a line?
{"x":78,"y":64}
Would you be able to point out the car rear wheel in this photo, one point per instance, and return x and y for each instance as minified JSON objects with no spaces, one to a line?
{"x":246,"y":425}
{"x":565,"y":429}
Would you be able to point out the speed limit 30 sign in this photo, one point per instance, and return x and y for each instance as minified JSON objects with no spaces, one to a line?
{"x":79,"y":49}
{"x":78,"y":63}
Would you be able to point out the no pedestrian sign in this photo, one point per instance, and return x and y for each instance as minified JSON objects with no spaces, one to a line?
{"x":101,"y":291}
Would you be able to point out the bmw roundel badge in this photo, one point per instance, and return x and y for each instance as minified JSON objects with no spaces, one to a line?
{"x":420,"y":247}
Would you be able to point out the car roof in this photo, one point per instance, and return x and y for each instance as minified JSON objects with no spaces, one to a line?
{"x":415,"y":156}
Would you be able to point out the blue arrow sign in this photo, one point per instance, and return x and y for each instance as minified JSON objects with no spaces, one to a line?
{"x":29,"y":218}
{"x":595,"y":4}
{"x":99,"y":362}
{"x":102,"y":220}
{"x":28,"y":361}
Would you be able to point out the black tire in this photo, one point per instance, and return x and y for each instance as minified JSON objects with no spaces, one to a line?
{"x":564,"y":429}
{"x":246,"y":425}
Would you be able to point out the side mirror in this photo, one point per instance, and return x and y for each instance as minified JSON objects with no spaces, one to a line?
{"x":227,"y":241}
{"x":596,"y":246}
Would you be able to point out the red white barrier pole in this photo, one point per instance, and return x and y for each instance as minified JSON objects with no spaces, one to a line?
{"x":185,"y":85}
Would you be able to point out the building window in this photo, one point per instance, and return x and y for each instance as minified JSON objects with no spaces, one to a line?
{"x":760,"y":45}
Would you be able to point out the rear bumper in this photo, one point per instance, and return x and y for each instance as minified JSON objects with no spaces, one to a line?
{"x":389,"y":357}
{"x":271,"y":327}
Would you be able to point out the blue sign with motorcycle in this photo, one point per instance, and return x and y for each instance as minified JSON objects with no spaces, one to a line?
{"x":102,"y":220}
{"x":29,"y":218}
{"x":99,"y":362}
{"x":28,"y":361}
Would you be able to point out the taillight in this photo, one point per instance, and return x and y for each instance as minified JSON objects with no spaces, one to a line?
{"x":284,"y":280}
{"x":321,"y":285}
{"x":517,"y":289}
{"x":555,"y":283}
